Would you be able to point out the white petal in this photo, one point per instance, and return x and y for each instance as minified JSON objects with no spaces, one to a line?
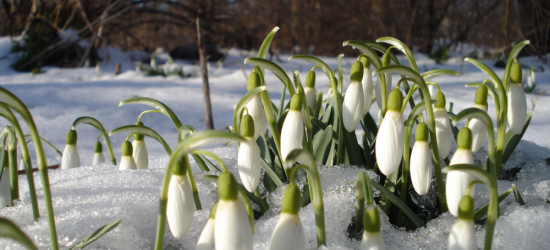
{"x":22,"y":164}
{"x":517,"y":108}
{"x":70,"y":158}
{"x":127,"y":162}
{"x":98,"y":159}
{"x":206,"y":240}
{"x":372,"y":241}
{"x":140,"y":154}
{"x":443,"y":132}
{"x":232,"y":229}
{"x":5,"y":188}
{"x":311,"y":97}
{"x":367,"y":90}
{"x":457,"y":182}
{"x":432,"y":90}
{"x":292,"y":133}
{"x":180,"y":207}
{"x":256,"y":110}
{"x":462,"y":236}
{"x":352,"y":109}
{"x":479,"y":133}
{"x":248,"y":162}
{"x":378,"y":93}
{"x":421,"y":167}
{"x":388,"y":84}
{"x":389,"y":142}
{"x":288,"y":233}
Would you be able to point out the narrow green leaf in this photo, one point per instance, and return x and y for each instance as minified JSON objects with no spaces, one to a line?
{"x":513,"y":54}
{"x":271,"y":173}
{"x":396,"y":201}
{"x":97,"y":234}
{"x":402,"y":47}
{"x":273,"y":67}
{"x":488,"y":71}
{"x":373,"y":57}
{"x":321,"y":143}
{"x":9,"y":230}
{"x":28,"y":138}
{"x":264,"y":48}
{"x":96,"y":124}
{"x":155,"y":104}
{"x":428,"y":76}
{"x":517,"y":194}
{"x":512,"y":140}
{"x":144,"y":130}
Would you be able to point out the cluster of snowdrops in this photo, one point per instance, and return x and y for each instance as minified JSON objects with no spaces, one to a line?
{"x":313,"y":129}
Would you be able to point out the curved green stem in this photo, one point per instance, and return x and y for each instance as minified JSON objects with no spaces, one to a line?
{"x":96,"y":124}
{"x":211,"y":155}
{"x":248,"y":208}
{"x":409,"y":96}
{"x":471,"y":185}
{"x":49,"y":144}
{"x":309,"y":128}
{"x":143,"y":130}
{"x":147,"y":112}
{"x":273,"y":67}
{"x":493,"y":93}
{"x":165,"y":110}
{"x":241,"y":105}
{"x":12,"y":162}
{"x":435,"y":84}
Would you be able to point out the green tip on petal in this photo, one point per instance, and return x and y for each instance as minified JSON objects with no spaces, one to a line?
{"x":421,"y":133}
{"x":466,"y":208}
{"x":291,"y":200}
{"x":440,"y":100}
{"x":70,"y":138}
{"x":247,"y":126}
{"x":139,"y":137}
{"x":481,"y":95}
{"x":356,"y":72}
{"x":310,"y":79}
{"x":98,"y":148}
{"x":227,"y":186}
{"x":296,"y":102}
{"x":126,"y":148}
{"x":515,"y":73}
{"x":464,"y":138}
{"x":213,"y":211}
{"x":365,"y":62}
{"x":395,"y":100}
{"x":253,"y":81}
{"x":181,"y":166}
{"x":371,"y":220}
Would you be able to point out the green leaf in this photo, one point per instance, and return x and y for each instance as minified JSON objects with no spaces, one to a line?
{"x":264,"y":48}
{"x":97,"y":234}
{"x":96,"y":124}
{"x":512,"y":140}
{"x":242,"y":103}
{"x":271,"y":173}
{"x":383,"y":49}
{"x":273,"y":67}
{"x":373,"y":57}
{"x":402,"y":47}
{"x":321,"y":142}
{"x":488,"y":71}
{"x":517,"y":194}
{"x":2,"y":159}
{"x":155,"y":104}
{"x":9,"y":230}
{"x":428,"y":76}
{"x":28,"y":138}
{"x":144,"y":130}
{"x":354,"y":151}
{"x":397,"y":202}
{"x":513,"y":54}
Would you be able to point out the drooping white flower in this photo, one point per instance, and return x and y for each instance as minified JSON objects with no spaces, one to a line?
{"x":352,"y":108}
{"x":462,"y":236}
{"x":70,"y":158}
{"x":367,"y":86}
{"x":139,"y":151}
{"x":231,"y":228}
{"x":310,"y":91}
{"x":443,"y":129}
{"x":517,"y":103}
{"x":457,"y":182}
{"x":180,"y":206}
{"x":292,"y":132}
{"x":479,"y":130}
{"x":206,"y":240}
{"x":255,"y":106}
{"x":5,"y":188}
{"x":421,"y":161}
{"x":127,"y":161}
{"x":248,"y":160}
{"x":372,"y":238}
{"x":391,"y":136}
{"x":98,"y":154}
{"x":531,"y":79}
{"x":289,"y":232}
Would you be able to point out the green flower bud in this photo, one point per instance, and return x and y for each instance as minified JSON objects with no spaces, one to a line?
{"x":213,"y":211}
{"x":356,"y":72}
{"x":181,"y":166}
{"x":296,"y":102}
{"x":70,"y":138}
{"x":464,"y":138}
{"x":98,"y":148}
{"x":253,"y":81}
{"x":247,"y":126}
{"x":371,"y":220}
{"x":395,"y":101}
{"x":481,"y":95}
{"x":139,"y":137}
{"x":421,"y":133}
{"x":440,"y":99}
{"x":291,"y":200}
{"x":365,"y":61}
{"x":227,"y":186}
{"x":386,"y":59}
{"x":126,"y":148}
{"x":466,"y":208}
{"x":310,"y":79}
{"x":515,"y":73}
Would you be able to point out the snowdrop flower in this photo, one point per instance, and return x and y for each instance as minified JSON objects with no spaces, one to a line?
{"x":140,"y":150}
{"x":352,"y":109}
{"x":255,"y":107}
{"x":5,"y":188}
{"x":443,"y":129}
{"x":421,"y":161}
{"x":127,"y":161}
{"x":206,"y":240}
{"x":479,"y":130}
{"x":310,"y":91}
{"x":98,"y":154}
{"x":70,"y":158}
{"x":457,"y":182}
{"x":517,"y":103}
{"x":391,"y":136}
{"x":289,"y":232}
{"x":180,"y":208}
{"x":293,"y":127}
{"x":372,"y":238}
{"x":462,"y":236}
{"x":232,"y":228}
{"x":248,"y":160}
{"x":367,"y":86}
{"x":531,"y":80}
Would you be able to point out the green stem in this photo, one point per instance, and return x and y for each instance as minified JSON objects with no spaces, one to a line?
{"x":96,"y":124}
{"x":471,"y":185}
{"x":248,"y":208}
{"x":14,"y":179}
{"x":263,"y":205}
{"x":191,"y":179}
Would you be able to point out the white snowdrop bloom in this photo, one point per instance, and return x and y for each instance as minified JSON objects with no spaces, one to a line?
{"x":378,"y":93}
{"x":479,"y":130}
{"x":531,"y":79}
{"x":139,"y":151}
{"x":367,"y":86}
{"x":231,"y":228}
{"x":292,"y":132}
{"x":255,"y":106}
{"x":206,"y":240}
{"x":352,"y":108}
{"x":310,"y":91}
{"x":372,"y":238}
{"x":248,"y":160}
{"x":180,"y":206}
{"x":457,"y":182}
{"x":98,"y":154}
{"x":443,"y":129}
{"x":70,"y":158}
{"x":391,"y":136}
{"x":421,"y":161}
{"x":462,"y":236}
{"x":517,"y":103}
{"x":289,"y":232}
{"x":127,"y":161}
{"x":432,"y":88}
{"x":5,"y":188}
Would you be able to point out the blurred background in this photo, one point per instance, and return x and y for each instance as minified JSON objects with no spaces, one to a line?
{"x":69,"y":32}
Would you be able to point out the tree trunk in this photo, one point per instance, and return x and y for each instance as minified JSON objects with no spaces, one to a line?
{"x":209,"y":120}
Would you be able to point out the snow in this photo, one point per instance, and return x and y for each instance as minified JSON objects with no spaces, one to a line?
{"x":89,"y":197}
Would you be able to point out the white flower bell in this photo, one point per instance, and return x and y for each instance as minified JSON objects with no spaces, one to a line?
{"x":462,"y":236}
{"x":292,"y":132}
{"x":367,"y":86}
{"x":139,"y":151}
{"x":70,"y":158}
{"x":479,"y":130}
{"x":421,"y":161}
{"x":372,"y":238}
{"x":517,"y":103}
{"x":5,"y":188}
{"x":127,"y":161}
{"x":98,"y":154}
{"x":248,"y":160}
{"x":180,"y":206}
{"x":458,"y":182}
{"x":352,"y":108}
{"x":310,"y":91}
{"x":443,"y":129}
{"x":391,"y":136}
{"x":231,"y":228}
{"x":289,"y":232}
{"x":255,"y":106}
{"x":206,"y":240}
